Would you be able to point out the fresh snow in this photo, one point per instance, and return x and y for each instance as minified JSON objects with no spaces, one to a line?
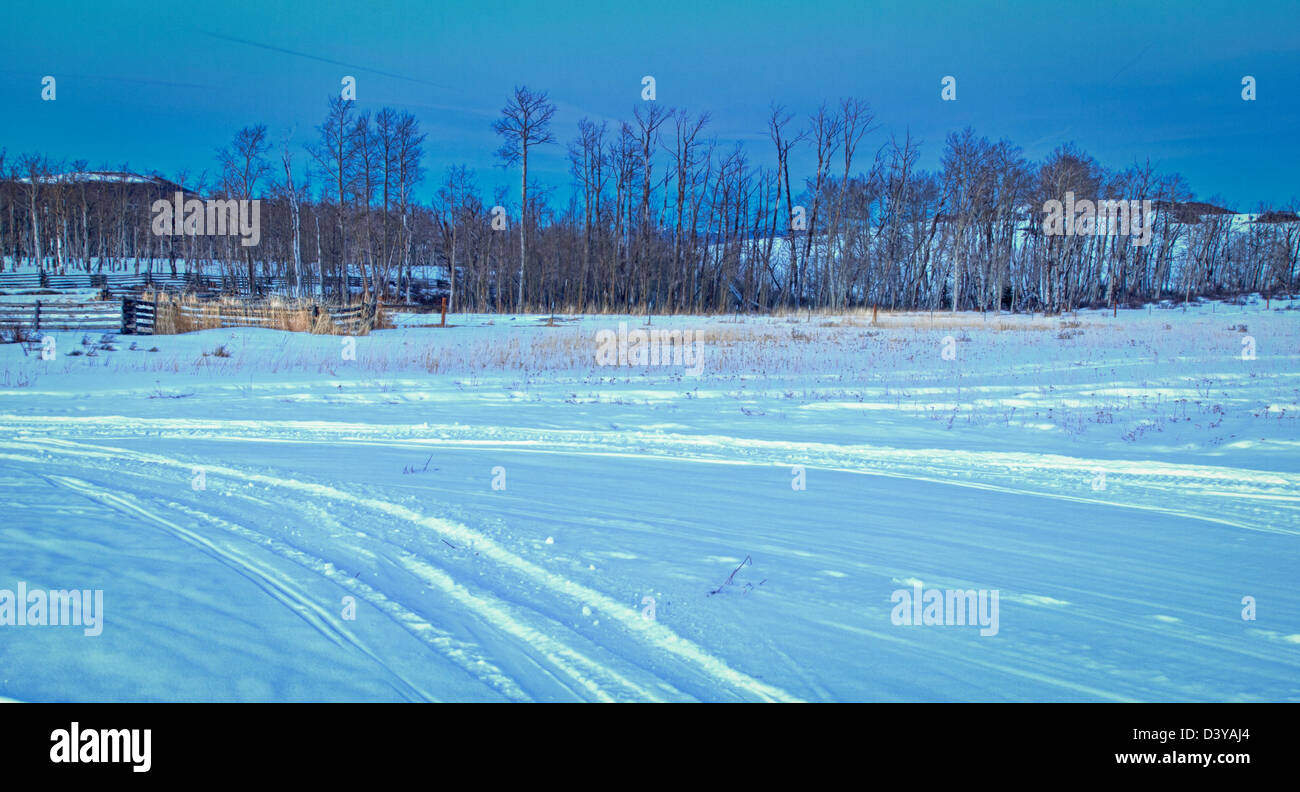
{"x":1123,"y":484}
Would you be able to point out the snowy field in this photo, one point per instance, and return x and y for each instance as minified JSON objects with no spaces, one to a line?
{"x":513,"y":522}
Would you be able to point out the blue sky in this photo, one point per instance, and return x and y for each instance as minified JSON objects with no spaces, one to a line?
{"x":162,"y":86}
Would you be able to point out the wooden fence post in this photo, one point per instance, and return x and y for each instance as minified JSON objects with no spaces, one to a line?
{"x":444,"y":312}
{"x":37,"y":320}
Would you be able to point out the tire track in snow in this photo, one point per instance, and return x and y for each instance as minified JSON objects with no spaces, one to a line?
{"x":468,"y":656}
{"x":1242,"y":498}
{"x":584,"y":673}
{"x":575,"y":665}
{"x":1254,"y":500}
{"x":279,"y":587}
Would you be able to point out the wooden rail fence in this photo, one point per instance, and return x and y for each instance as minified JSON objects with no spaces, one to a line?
{"x":132,"y":315}
{"x":103,"y":315}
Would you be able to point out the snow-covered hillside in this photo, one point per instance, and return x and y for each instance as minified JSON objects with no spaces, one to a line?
{"x":514,"y":522}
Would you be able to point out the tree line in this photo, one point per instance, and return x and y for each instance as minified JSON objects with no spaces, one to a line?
{"x":661,"y":216}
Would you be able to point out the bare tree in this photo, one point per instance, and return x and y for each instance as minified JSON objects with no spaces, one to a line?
{"x":784,"y":142}
{"x":294,"y":199}
{"x":408,"y":152}
{"x":334,"y":155}
{"x":243,"y":165}
{"x":525,"y":122}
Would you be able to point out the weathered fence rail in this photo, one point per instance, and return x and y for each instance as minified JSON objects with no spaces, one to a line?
{"x":132,"y":315}
{"x":45,"y":315}
{"x":138,"y":316}
{"x":354,"y":319}
{"x":186,"y":314}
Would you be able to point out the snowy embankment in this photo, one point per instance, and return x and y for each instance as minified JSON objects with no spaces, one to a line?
{"x":514,"y":522}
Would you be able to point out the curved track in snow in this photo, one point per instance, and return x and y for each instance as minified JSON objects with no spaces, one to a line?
{"x":505,"y":619}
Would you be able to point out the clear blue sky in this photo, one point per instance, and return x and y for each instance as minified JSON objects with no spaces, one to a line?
{"x":161,"y":86}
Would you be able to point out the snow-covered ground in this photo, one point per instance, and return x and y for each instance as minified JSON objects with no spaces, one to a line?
{"x":515,"y":522}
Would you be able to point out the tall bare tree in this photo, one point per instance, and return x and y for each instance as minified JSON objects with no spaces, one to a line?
{"x":243,"y":164}
{"x":525,"y":122}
